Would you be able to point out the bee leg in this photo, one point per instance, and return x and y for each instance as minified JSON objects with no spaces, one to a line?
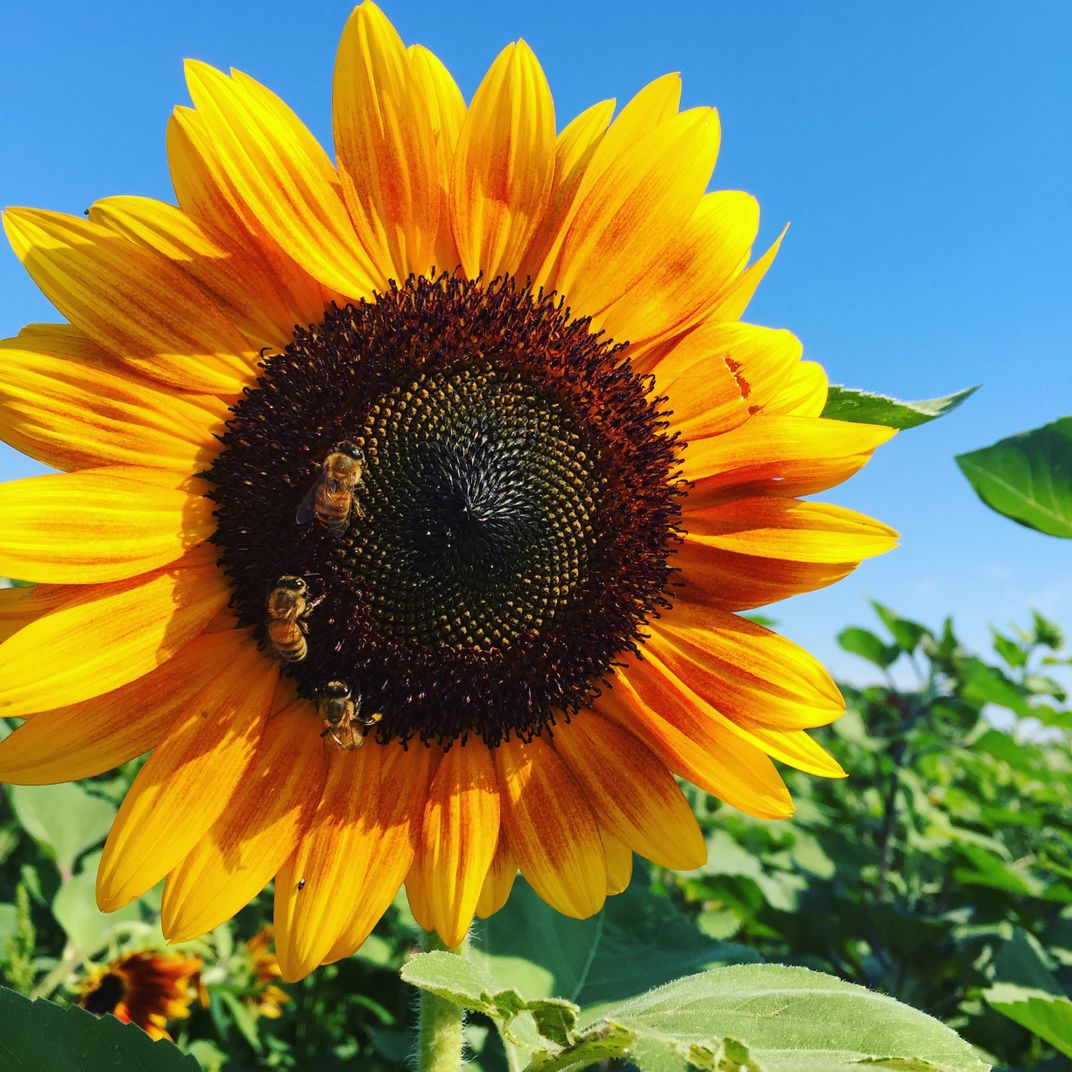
{"x":312,"y":605}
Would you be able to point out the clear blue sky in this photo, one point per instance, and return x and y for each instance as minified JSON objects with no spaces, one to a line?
{"x":921,"y":151}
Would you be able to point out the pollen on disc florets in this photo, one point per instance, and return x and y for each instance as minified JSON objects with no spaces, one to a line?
{"x":517,"y":511}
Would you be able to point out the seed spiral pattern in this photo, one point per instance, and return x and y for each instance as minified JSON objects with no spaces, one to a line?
{"x":517,"y":514}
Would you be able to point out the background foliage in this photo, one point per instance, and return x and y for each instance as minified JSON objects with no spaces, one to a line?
{"x":939,"y":873}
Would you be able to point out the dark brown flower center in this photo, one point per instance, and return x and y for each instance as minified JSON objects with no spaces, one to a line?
{"x":510,"y":532}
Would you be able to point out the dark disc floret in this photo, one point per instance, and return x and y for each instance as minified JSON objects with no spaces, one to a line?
{"x":513,"y":525}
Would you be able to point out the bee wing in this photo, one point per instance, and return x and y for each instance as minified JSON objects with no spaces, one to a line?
{"x":307,"y":509}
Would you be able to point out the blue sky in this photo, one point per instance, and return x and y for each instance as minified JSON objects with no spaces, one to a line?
{"x":920,"y":150}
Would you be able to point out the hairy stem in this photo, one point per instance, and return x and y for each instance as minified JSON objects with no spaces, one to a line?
{"x":439,"y":1043}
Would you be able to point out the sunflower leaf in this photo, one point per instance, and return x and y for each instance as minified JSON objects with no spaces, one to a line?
{"x":773,"y":1018}
{"x":453,"y":978}
{"x":638,"y":941}
{"x":39,"y":1035}
{"x":1027,"y":477}
{"x":63,"y":819}
{"x":865,"y":407}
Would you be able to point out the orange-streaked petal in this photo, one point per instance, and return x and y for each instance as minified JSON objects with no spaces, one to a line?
{"x":255,"y":833}
{"x":731,"y":303}
{"x":573,"y":151}
{"x":282,"y":177}
{"x":391,"y":851}
{"x":655,"y":705}
{"x":719,"y":374}
{"x":446,"y":107}
{"x":353,"y":858}
{"x":386,"y":146}
{"x":188,"y":780}
{"x":778,"y":455}
{"x":204,"y":191}
{"x":769,"y":526}
{"x":712,"y":578}
{"x":645,"y":809}
{"x":748,"y":671}
{"x":101,"y":524}
{"x":236,"y":278}
{"x":26,"y":603}
{"x":803,"y":394}
{"x":67,"y":403}
{"x":499,"y":881}
{"x":105,"y":636}
{"x":417,"y":896}
{"x":503,"y":165}
{"x":619,"y":859}
{"x":628,"y":212}
{"x":552,"y":832}
{"x":701,"y":263}
{"x":461,"y":828}
{"x":136,"y":304}
{"x":95,"y":735}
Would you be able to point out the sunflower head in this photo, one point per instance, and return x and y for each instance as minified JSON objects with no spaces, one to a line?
{"x":409,"y":501}
{"x":145,"y":988}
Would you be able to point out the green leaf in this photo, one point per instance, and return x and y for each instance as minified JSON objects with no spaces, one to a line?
{"x":1042,"y":1014}
{"x":864,"y":407}
{"x":864,"y":643}
{"x":454,"y":978}
{"x":1027,"y":477}
{"x":638,"y":941}
{"x":794,"y":1020}
{"x":76,"y":911}
{"x":63,"y":819}
{"x":1013,"y":654}
{"x":40,"y":1036}
{"x":906,"y":634}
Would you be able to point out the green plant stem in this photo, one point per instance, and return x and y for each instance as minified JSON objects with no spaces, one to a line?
{"x":439,"y":1042}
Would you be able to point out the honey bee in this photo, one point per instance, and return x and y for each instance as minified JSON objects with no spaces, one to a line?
{"x":331,"y":499}
{"x":288,"y":607}
{"x":343,"y":721}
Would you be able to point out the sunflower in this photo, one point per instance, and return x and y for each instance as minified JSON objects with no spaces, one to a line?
{"x":409,"y":502}
{"x":145,"y":988}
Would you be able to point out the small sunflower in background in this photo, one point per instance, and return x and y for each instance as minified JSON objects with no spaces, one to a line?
{"x":263,"y":996}
{"x":145,"y":988}
{"x":409,"y":503}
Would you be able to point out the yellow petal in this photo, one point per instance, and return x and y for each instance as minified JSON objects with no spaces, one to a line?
{"x":188,"y":780}
{"x":701,"y":263}
{"x":352,"y":860}
{"x":672,"y":720}
{"x":503,"y":164}
{"x":719,"y":374}
{"x":96,"y":735}
{"x":645,"y":810}
{"x":629,"y":211}
{"x":69,"y":404}
{"x":731,"y":303}
{"x":573,"y":152}
{"x":499,"y":881}
{"x":134,"y":303}
{"x":282,"y":177}
{"x":551,"y":829}
{"x":768,"y":526}
{"x":204,"y":191}
{"x":727,"y":581}
{"x":417,"y":896}
{"x":804,"y":394}
{"x":236,"y":278}
{"x":747,"y":670}
{"x":105,"y":636}
{"x":619,"y":863}
{"x":101,"y":524}
{"x":255,"y":833}
{"x":24,"y":604}
{"x":446,"y":107}
{"x":778,"y":455}
{"x":461,"y":829}
{"x":386,"y":146}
